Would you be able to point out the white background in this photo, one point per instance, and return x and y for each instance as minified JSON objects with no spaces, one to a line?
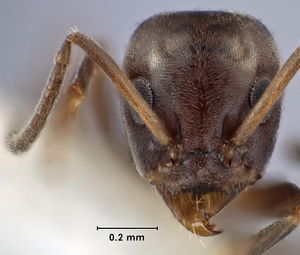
{"x":52,"y":198}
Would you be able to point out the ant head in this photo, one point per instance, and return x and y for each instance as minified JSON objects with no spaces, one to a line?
{"x":202,"y":73}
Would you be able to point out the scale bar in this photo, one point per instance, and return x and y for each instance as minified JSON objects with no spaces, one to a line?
{"x":99,"y":228}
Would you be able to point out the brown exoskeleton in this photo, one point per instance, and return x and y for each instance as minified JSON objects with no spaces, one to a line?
{"x":201,"y":109}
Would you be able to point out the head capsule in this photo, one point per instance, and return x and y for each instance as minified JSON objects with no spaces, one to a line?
{"x":201,"y":72}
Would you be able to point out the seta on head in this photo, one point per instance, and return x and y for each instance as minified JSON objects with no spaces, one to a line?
{"x":201,"y":73}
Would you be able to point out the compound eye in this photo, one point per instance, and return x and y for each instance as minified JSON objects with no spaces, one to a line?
{"x":257,"y":89}
{"x":144,"y":87}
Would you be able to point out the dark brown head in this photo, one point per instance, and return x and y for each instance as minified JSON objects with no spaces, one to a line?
{"x":201,"y":72}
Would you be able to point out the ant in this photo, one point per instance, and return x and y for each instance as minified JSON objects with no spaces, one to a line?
{"x":201,"y":106}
